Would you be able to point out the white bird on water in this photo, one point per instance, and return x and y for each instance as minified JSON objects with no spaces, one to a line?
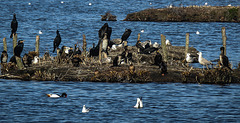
{"x":139,"y":103}
{"x":203,"y":61}
{"x":89,"y":4}
{"x":197,"y":32}
{"x":84,"y":110}
{"x":40,"y":32}
{"x":142,"y":30}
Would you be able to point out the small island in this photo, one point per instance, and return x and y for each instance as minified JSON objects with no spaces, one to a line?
{"x":188,"y":14}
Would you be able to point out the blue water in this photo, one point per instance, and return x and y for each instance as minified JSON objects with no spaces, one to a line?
{"x":113,"y":102}
{"x":26,"y":101}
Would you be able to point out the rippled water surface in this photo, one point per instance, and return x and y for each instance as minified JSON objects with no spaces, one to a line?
{"x":26,"y":101}
{"x":113,"y":102}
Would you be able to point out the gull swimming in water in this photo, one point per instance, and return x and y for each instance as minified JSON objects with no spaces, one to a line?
{"x":40,"y":32}
{"x":203,"y":61}
{"x":197,"y":32}
{"x":139,"y":103}
{"x":84,"y":110}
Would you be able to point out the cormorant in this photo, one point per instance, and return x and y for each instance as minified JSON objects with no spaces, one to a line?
{"x":126,"y":34}
{"x":18,"y":49}
{"x":163,"y":68}
{"x":56,"y":41}
{"x":14,"y":25}
{"x":104,"y":43}
{"x":13,"y":59}
{"x":158,"y":59}
{"x":224,"y":59}
{"x":4,"y":57}
{"x":139,"y":46}
{"x":102,"y":31}
{"x":27,"y":61}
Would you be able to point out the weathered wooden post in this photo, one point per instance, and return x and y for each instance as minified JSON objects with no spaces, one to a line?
{"x":187,"y":44}
{"x":224,"y":38}
{"x":37,"y":45}
{"x":19,"y":62}
{"x":163,"y":45}
{"x":4,"y":44}
{"x":14,"y":41}
{"x":84,"y":47}
{"x":138,"y":36}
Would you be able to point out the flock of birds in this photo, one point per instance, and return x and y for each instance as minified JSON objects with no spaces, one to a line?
{"x":139,"y":103}
{"x":105,"y":44}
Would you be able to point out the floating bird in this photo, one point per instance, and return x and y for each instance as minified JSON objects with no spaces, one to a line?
{"x":206,"y":4}
{"x":126,"y":34}
{"x":142,"y":30}
{"x":84,"y":110}
{"x":139,"y":103}
{"x":19,"y":48}
{"x":56,"y":95}
{"x":4,"y":57}
{"x":29,"y":3}
{"x":62,"y":2}
{"x":40,"y":32}
{"x":224,"y":59}
{"x":197,"y":32}
{"x":14,"y":25}
{"x":56,"y":41}
{"x":202,"y":60}
{"x":89,"y":4}
{"x":168,"y":43}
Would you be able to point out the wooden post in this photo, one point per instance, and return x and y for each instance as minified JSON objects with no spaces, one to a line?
{"x":14,"y":41}
{"x":163,"y":45}
{"x":187,"y":44}
{"x":138,"y":36}
{"x":224,"y":38}
{"x":84,"y":47}
{"x":4,"y":44}
{"x":19,"y":62}
{"x":37,"y":45}
{"x":100,"y":51}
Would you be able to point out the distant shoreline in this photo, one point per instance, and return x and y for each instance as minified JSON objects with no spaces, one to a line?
{"x":188,"y":14}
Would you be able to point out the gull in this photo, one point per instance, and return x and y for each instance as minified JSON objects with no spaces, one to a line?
{"x":142,"y":30}
{"x":40,"y":32}
{"x":35,"y":60}
{"x":197,"y":32}
{"x":139,"y":103}
{"x":56,"y":95}
{"x":168,"y":43}
{"x":190,"y":59}
{"x":84,"y":110}
{"x":89,"y":4}
{"x":29,"y":3}
{"x":62,"y":2}
{"x":202,"y":60}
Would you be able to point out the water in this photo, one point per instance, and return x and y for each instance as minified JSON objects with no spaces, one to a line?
{"x":113,"y":102}
{"x":26,"y":101}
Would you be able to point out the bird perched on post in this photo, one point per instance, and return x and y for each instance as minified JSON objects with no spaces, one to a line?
{"x":56,"y":41}
{"x":224,"y":59}
{"x":4,"y":57}
{"x":14,"y":25}
{"x":19,"y":48}
{"x":126,"y":34}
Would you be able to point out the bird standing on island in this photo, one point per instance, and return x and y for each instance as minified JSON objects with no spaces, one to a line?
{"x":126,"y":34}
{"x":14,"y":25}
{"x":224,"y":59}
{"x":4,"y":57}
{"x":203,"y":61}
{"x":19,"y":48}
{"x":56,"y":41}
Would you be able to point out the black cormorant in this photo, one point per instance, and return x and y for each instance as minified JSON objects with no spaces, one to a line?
{"x":126,"y":34}
{"x":19,"y":48}
{"x":158,"y":59}
{"x":4,"y":57}
{"x":14,"y":25}
{"x":102,"y":31}
{"x":56,"y":41}
{"x":224,"y":59}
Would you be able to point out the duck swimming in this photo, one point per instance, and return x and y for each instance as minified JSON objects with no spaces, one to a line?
{"x":56,"y":95}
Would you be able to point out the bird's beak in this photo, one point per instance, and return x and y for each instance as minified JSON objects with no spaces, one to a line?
{"x":22,"y":41}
